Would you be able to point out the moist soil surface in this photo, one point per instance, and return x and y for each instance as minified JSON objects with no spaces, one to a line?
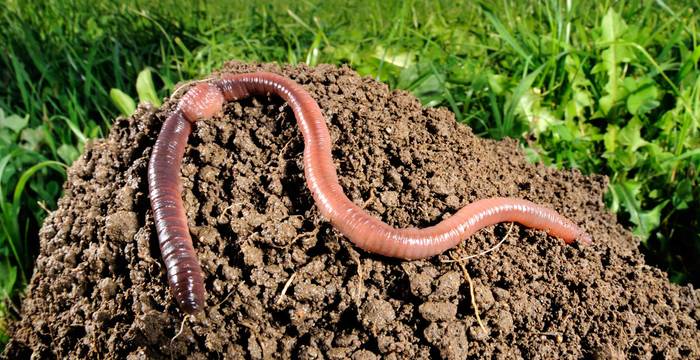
{"x":282,"y":283}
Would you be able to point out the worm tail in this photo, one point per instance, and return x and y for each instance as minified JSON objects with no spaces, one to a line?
{"x":165,"y":188}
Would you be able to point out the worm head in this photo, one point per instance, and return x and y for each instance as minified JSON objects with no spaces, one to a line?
{"x":202,"y":101}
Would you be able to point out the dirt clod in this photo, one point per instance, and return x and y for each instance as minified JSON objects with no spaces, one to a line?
{"x":122,"y":226}
{"x":435,"y":311}
{"x":99,"y":288}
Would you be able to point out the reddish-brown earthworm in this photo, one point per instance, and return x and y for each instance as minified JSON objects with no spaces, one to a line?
{"x":367,"y":232}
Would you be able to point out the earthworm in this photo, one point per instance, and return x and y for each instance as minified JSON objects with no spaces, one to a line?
{"x":367,"y":232}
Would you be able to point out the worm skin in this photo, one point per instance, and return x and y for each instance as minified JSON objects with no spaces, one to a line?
{"x":367,"y":232}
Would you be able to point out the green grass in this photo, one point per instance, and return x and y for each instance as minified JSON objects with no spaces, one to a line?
{"x":610,"y":87}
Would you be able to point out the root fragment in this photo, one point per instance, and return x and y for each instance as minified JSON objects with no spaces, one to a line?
{"x":182,"y":329}
{"x":285,"y":288}
{"x":471,"y":294}
{"x":483,"y":252}
{"x":462,"y":260}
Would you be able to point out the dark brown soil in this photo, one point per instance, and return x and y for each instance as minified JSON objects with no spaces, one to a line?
{"x":99,"y":289}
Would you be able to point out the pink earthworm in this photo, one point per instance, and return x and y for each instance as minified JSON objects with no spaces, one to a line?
{"x":367,"y":232}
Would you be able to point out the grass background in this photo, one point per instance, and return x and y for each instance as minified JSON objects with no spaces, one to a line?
{"x":609,"y":87}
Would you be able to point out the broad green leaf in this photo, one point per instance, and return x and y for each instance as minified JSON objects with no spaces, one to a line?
{"x":9,"y":277}
{"x":606,"y":102}
{"x":617,"y":54}
{"x":6,"y":139}
{"x":581,"y":97}
{"x":624,"y":193}
{"x":683,"y":194}
{"x":13,"y":122}
{"x":648,"y":221}
{"x":67,"y":153}
{"x":625,"y":159}
{"x":630,"y":136}
{"x":663,"y":161}
{"x":643,"y":101}
{"x":612,"y":26}
{"x":146,"y":89}
{"x":564,"y":133}
{"x":612,"y":57}
{"x":532,"y":155}
{"x":429,"y":87}
{"x":497,"y":83}
{"x":580,"y":100}
{"x":643,"y":95}
{"x":401,"y":59}
{"x":524,"y":88}
{"x":313,"y":53}
{"x":627,"y":195}
{"x":31,"y":138}
{"x":408,"y":76}
{"x":610,"y":138}
{"x":123,"y":102}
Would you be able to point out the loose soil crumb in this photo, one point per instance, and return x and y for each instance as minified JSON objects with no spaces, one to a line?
{"x":99,"y":289}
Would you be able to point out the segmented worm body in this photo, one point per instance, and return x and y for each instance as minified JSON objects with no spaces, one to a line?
{"x":367,"y":232}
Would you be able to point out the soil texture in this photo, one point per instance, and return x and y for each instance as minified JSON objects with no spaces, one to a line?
{"x":282,"y":283}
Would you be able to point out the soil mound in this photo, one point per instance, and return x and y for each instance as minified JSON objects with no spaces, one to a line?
{"x":281,"y":282}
